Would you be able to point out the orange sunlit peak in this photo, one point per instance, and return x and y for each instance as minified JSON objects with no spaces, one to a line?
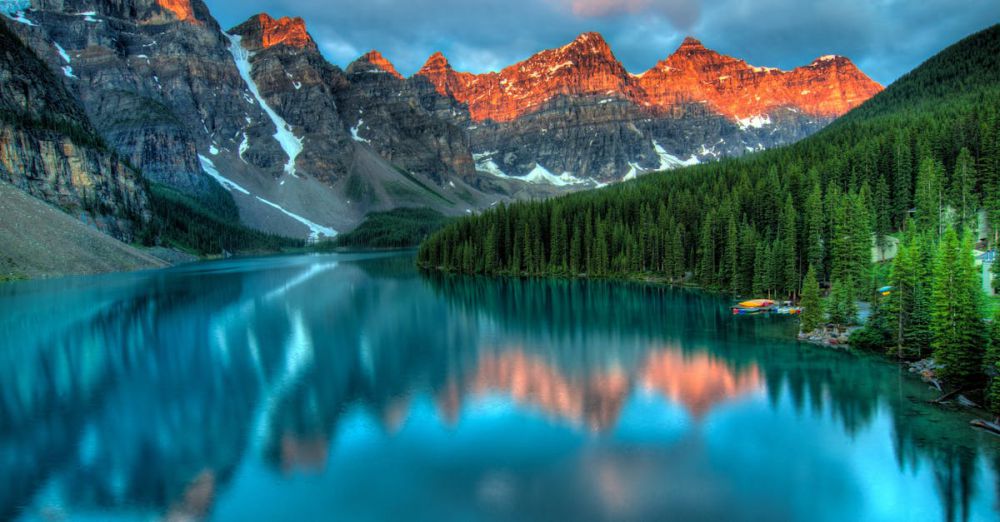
{"x":180,"y":8}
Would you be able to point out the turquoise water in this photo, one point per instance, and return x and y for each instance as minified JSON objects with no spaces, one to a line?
{"x":351,"y":387}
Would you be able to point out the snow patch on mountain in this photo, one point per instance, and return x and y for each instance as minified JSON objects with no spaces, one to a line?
{"x":209,"y":167}
{"x":244,"y":146}
{"x":291,"y":144}
{"x":66,"y":69}
{"x":14,"y":9}
{"x":540,"y":174}
{"x":317,"y":231}
{"x":62,"y":53}
{"x":354,"y":132}
{"x":669,"y":161}
{"x":757,"y":122}
{"x":633,"y":171}
{"x":484,"y":163}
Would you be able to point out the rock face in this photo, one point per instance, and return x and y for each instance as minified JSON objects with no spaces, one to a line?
{"x":385,"y":112}
{"x":585,"y":66}
{"x":577,"y":112}
{"x":294,"y":80}
{"x":154,"y":75}
{"x":827,"y":88}
{"x":49,"y":148}
{"x":362,"y":131}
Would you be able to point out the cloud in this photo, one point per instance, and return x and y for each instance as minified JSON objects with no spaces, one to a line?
{"x":682,"y":13}
{"x":885,"y":38}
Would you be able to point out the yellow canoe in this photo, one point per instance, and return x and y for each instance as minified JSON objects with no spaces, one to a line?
{"x":757,"y":303}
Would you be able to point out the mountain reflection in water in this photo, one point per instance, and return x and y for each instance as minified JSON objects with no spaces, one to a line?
{"x":317,"y":387}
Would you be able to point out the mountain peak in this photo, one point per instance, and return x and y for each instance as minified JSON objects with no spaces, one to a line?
{"x":262,"y":31}
{"x":691,"y":42}
{"x":692,"y":45}
{"x":590,"y":37}
{"x":830,"y":59}
{"x":180,"y":8}
{"x":436,"y":62}
{"x":588,"y":43}
{"x":375,"y":58}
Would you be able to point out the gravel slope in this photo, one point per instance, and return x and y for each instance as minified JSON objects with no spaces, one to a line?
{"x":38,"y":240}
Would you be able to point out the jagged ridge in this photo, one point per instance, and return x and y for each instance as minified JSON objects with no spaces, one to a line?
{"x":828,"y":87}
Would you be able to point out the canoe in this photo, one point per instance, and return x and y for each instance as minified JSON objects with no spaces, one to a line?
{"x":757,"y":303}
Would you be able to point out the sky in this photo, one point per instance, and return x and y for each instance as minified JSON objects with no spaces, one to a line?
{"x":885,"y":38}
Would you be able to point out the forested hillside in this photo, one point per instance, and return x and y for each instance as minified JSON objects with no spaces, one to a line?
{"x":923,"y":156}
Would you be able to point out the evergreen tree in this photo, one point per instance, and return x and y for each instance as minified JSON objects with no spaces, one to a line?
{"x":576,"y":250}
{"x":760,"y":272}
{"x":902,"y":179}
{"x":956,"y":320}
{"x":876,"y":334}
{"x":812,"y":306}
{"x":490,"y":262}
{"x":861,"y":239}
{"x":706,"y":251}
{"x":843,"y":309}
{"x":929,"y":196}
{"x":918,"y":332}
{"x":788,"y":250}
{"x":814,"y":227}
{"x":962,"y":193}
{"x":731,"y":258}
{"x":900,"y":305}
{"x":851,"y":245}
{"x":882,"y":223}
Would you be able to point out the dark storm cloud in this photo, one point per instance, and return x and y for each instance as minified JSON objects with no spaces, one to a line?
{"x":885,"y":38}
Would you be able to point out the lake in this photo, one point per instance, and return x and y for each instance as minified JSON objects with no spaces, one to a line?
{"x":353,"y":387}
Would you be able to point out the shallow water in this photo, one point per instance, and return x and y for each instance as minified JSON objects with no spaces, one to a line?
{"x":352,"y":387}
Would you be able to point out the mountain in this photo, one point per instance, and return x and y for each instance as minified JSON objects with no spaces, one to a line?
{"x":256,"y":111}
{"x":354,"y":131}
{"x":754,"y":225}
{"x":576,"y":111}
{"x":255,"y":124}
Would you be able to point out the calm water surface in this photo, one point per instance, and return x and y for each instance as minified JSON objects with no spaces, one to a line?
{"x":354,"y":388}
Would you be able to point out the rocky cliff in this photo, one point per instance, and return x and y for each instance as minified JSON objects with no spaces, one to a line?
{"x":826,"y":88}
{"x":50,"y":150}
{"x":574,"y":115}
{"x":154,"y":75}
{"x":387,"y":114}
{"x":360,"y":131}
